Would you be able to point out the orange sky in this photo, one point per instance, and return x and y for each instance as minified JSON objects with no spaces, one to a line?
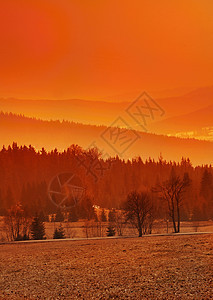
{"x":95,"y":48}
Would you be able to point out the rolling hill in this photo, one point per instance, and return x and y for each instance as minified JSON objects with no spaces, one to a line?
{"x":104,"y":113}
{"x":190,"y":122}
{"x":60,"y":135}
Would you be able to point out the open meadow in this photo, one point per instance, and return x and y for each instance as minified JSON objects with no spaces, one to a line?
{"x":151,"y":267}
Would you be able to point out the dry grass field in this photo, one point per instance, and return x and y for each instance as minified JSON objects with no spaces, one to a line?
{"x":154,"y":267}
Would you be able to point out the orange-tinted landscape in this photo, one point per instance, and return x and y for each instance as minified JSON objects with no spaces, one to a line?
{"x":106,"y":130}
{"x":87,"y":63}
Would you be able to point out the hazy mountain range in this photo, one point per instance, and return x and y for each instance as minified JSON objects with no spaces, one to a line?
{"x":189,"y":113}
{"x":88,"y":122}
{"x":60,"y":135}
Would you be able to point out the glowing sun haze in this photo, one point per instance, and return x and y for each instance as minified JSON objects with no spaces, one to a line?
{"x":92,"y":48}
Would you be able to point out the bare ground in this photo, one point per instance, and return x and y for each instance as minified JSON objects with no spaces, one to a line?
{"x":167,"y":267}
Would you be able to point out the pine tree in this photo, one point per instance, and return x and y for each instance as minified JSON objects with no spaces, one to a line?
{"x":37,"y":229}
{"x":110,"y":230}
{"x":59,"y":233}
{"x":56,"y":234}
{"x":206,"y":185}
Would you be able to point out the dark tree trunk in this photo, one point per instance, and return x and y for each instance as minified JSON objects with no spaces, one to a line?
{"x":174,"y":224}
{"x":173,"y":215}
{"x":178,"y":217}
{"x":139,"y":227}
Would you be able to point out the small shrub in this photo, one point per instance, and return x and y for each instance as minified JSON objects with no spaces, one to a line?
{"x":110,"y":231}
{"x":59,"y":233}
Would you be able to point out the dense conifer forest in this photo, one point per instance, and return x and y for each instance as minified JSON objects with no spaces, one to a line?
{"x":26,"y":173}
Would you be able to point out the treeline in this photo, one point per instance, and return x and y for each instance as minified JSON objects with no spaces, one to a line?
{"x":26,"y":173}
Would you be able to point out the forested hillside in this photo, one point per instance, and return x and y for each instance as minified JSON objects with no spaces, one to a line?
{"x":25,"y":175}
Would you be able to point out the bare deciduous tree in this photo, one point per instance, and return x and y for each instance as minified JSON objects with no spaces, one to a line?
{"x":137,"y":207}
{"x":17,"y":224}
{"x":69,"y":230}
{"x":94,"y":228}
{"x":148,"y":223}
{"x":172,"y":191}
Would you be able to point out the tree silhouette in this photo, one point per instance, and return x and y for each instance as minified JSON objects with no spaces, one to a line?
{"x":17,"y":223}
{"x":172,"y":191}
{"x":37,"y":229}
{"x":59,"y":233}
{"x":25,"y":175}
{"x":137,"y":207}
{"x":110,"y":230}
{"x":206,"y":185}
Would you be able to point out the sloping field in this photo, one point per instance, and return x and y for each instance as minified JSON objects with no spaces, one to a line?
{"x":167,"y":267}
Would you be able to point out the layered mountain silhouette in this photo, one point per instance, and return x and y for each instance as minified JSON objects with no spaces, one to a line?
{"x":128,"y":144}
{"x":191,"y":122}
{"x":183,"y":113}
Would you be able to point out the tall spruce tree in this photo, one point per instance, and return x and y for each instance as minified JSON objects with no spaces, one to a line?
{"x":37,"y":229}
